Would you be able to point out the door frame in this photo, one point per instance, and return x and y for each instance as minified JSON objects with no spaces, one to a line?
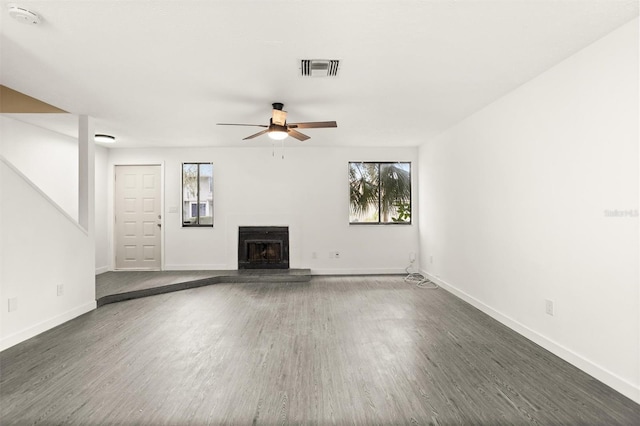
{"x":112,"y":203}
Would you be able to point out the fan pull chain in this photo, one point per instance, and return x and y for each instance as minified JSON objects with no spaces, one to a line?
{"x":283,"y":149}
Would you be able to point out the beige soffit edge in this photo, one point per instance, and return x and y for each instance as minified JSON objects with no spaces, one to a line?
{"x":12,"y":102}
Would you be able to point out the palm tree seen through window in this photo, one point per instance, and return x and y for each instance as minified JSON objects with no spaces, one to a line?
{"x":380,"y":193}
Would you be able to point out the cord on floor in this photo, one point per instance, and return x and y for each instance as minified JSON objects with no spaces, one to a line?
{"x":418,"y":279}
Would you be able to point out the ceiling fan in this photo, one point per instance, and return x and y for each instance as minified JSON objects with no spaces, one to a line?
{"x":278,"y":127}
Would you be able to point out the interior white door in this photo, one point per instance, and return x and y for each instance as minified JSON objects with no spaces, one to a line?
{"x":137,"y":217}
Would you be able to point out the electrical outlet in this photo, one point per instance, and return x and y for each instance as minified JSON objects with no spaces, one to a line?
{"x":412,"y":257}
{"x":314,"y":255}
{"x":337,"y":256}
{"x":60,"y":289}
{"x":431,"y":259}
{"x":548,"y":307}
{"x":13,"y":304}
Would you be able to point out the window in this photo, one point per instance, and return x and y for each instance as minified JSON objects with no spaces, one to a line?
{"x":380,"y":193}
{"x":194,"y":209}
{"x":197,"y":194}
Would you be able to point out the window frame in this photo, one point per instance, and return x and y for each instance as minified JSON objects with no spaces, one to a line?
{"x":197,"y":201}
{"x":379,"y":208}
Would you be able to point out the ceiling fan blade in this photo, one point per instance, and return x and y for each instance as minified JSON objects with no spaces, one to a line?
{"x":313,"y":125}
{"x":232,"y":124}
{"x":279,"y":117}
{"x":256,"y":134}
{"x":297,"y":135}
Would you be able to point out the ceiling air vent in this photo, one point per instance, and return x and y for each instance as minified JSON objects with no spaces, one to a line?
{"x":319,"y":67}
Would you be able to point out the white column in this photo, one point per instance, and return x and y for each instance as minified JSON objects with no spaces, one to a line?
{"x":86,"y":174}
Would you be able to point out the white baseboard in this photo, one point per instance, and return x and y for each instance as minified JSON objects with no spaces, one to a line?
{"x":602,"y":374}
{"x":34,"y":330}
{"x":314,"y":271}
{"x":102,"y":270}
{"x":356,"y":271}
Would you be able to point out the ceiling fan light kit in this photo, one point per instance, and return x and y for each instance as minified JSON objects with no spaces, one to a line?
{"x":278,"y":129}
{"x":278,"y":135}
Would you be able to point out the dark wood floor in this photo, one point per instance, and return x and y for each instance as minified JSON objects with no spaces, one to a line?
{"x":335,"y":350}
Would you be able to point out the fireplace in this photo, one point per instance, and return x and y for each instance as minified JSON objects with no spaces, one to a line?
{"x":263,"y":247}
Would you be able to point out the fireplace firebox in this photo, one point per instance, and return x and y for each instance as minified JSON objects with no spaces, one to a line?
{"x":263,"y":247}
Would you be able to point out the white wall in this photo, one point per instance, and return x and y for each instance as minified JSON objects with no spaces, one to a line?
{"x":513,"y":202}
{"x":41,"y":245}
{"x":103,"y":258}
{"x":48,"y":158}
{"x":307,"y":191}
{"x":41,"y":248}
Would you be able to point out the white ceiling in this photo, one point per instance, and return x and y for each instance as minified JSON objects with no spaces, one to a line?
{"x":163,"y":73}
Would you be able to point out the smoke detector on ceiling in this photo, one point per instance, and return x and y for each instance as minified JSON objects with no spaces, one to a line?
{"x":319,"y":67}
{"x":23,"y":15}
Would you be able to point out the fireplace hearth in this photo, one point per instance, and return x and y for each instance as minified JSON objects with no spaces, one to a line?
{"x":263,"y":247}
